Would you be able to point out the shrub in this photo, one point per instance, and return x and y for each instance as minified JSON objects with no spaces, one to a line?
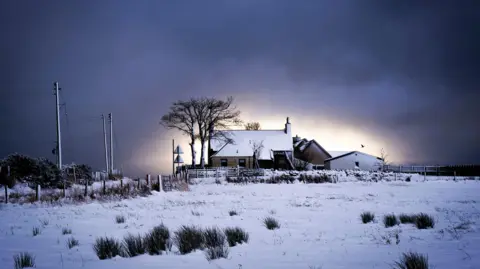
{"x":24,"y":260}
{"x":36,"y":231}
{"x":214,"y":237}
{"x":404,"y":218}
{"x":390,"y":220}
{"x":236,"y":236}
{"x":424,"y":221}
{"x":107,"y":248}
{"x":367,"y":217}
{"x":188,"y":239}
{"x":72,"y":242}
{"x":157,"y":240}
{"x":66,"y":231}
{"x":271,"y":223}
{"x":217,"y":253}
{"x":412,"y":260}
{"x":134,"y":245}
{"x":232,"y":213}
{"x":119,"y":219}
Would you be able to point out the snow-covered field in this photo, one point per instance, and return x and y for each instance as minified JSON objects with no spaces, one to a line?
{"x":320,"y":226}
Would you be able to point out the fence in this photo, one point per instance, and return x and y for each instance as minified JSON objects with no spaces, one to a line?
{"x":449,"y":170}
{"x":103,"y":187}
{"x":224,"y":172}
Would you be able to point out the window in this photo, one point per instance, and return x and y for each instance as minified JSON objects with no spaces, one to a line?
{"x":241,"y":162}
{"x":223,"y":162}
{"x":357,"y":164}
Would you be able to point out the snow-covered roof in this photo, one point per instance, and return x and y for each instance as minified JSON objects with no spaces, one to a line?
{"x":335,"y":153}
{"x":273,"y":140}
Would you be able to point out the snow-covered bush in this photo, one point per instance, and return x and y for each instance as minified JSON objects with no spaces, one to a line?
{"x":188,"y":239}
{"x":134,"y":245}
{"x":271,"y":223}
{"x":367,"y":217}
{"x":236,"y":235}
{"x":107,"y":248}
{"x":424,"y":221}
{"x":157,"y":240}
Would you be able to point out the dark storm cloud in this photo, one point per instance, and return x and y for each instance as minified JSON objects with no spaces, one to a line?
{"x":407,"y":70}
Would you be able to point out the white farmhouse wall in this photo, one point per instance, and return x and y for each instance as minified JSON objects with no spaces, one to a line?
{"x":365,"y":162}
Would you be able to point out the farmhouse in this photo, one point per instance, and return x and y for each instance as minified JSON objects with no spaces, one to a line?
{"x":343,"y":160}
{"x":276,"y":153}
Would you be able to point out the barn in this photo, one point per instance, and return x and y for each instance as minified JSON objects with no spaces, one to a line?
{"x":346,"y":160}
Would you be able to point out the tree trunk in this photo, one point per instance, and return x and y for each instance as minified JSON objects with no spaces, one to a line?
{"x":202,"y":152}
{"x":194,"y":157}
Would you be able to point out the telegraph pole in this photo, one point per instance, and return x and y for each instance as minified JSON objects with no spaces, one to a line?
{"x":111,"y":142}
{"x":59,"y":133}
{"x":105,"y":143}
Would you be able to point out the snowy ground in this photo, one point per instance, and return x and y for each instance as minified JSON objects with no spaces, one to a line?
{"x":320,"y":226}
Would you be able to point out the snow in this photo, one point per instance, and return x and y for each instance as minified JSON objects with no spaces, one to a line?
{"x":276,"y":140}
{"x":335,"y":153}
{"x":320,"y":225}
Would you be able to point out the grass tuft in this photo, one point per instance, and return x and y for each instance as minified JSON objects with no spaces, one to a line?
{"x":107,"y":248}
{"x":412,"y":260}
{"x":157,"y":240}
{"x":72,"y":242}
{"x":232,"y":213}
{"x":24,"y":260}
{"x":271,"y":223}
{"x":217,"y":253}
{"x":44,"y":222}
{"x":367,"y":217}
{"x":120,"y":219}
{"x":390,"y":220}
{"x":188,"y":239}
{"x":236,"y":236}
{"x":36,"y":231}
{"x":66,"y":231}
{"x":424,"y":221}
{"x":134,"y":245}
{"x":405,"y":218}
{"x":214,"y":237}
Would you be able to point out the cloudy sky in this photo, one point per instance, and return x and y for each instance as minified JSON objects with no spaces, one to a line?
{"x":399,"y":75}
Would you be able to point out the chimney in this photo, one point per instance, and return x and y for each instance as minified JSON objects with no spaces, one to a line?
{"x":296,"y":139}
{"x":288,"y":127}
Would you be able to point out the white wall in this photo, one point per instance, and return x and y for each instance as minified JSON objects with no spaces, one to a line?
{"x":366,"y":162}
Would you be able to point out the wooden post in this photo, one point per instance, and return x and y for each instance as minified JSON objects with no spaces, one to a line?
{"x":139,"y":183}
{"x":424,"y":173}
{"x":454,"y":175}
{"x":37,"y":193}
{"x":6,"y":193}
{"x":121,"y":184}
{"x":160,"y":186}
{"x":64,"y":190}
{"x":85,"y":193}
{"x":104,"y":188}
{"x":148,"y":181}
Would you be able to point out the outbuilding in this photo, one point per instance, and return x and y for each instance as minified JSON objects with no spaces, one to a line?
{"x":349,"y":160}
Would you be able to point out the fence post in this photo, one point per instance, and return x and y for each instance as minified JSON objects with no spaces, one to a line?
{"x":139,"y":181}
{"x":86,"y":188}
{"x":104,"y":188}
{"x":121,"y":184}
{"x":64,"y":190}
{"x":6,"y":193}
{"x":37,"y":192}
{"x":424,"y":173}
{"x":454,"y":175}
{"x":160,"y":186}
{"x":148,"y":181}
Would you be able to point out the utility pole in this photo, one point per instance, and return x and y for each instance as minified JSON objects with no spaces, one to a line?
{"x":111,"y":142}
{"x":105,"y":143}
{"x":59,"y":133}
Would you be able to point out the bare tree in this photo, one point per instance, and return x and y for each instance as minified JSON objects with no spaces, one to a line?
{"x":182,"y":117}
{"x":213,"y":114}
{"x":384,"y":157}
{"x":257,"y":147}
{"x":252,"y":126}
